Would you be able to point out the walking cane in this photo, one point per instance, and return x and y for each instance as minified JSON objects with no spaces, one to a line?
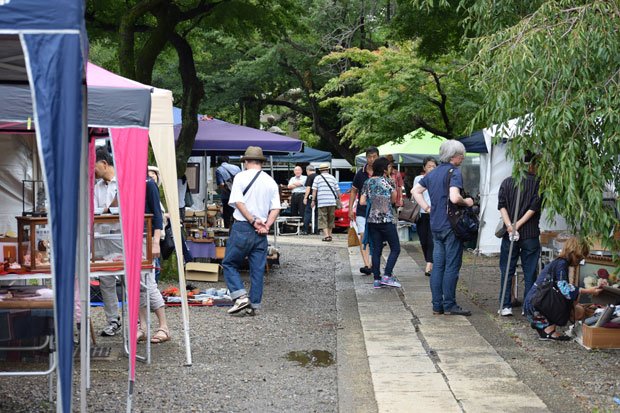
{"x":505,"y":283}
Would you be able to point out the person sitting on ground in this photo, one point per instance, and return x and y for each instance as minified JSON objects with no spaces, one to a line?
{"x":379,"y":193}
{"x":325,"y":192}
{"x":297,"y":186}
{"x":573,"y":252}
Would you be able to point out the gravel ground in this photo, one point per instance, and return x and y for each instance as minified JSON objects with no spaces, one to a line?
{"x":568,"y":377}
{"x":239,"y":363}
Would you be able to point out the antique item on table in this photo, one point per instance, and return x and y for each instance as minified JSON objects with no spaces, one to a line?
{"x":34,"y":200}
{"x":34,"y":243}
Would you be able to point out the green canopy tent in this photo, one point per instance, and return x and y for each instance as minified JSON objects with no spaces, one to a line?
{"x":413,"y":148}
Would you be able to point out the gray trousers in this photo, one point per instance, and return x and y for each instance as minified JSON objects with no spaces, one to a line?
{"x":107,"y":284}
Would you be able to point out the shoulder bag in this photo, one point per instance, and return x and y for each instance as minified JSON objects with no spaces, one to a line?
{"x":166,"y":245}
{"x":550,"y":301}
{"x":338,"y":201}
{"x":410,"y":211}
{"x":464,"y":220}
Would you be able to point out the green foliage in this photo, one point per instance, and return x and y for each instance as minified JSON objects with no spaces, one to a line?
{"x":559,"y":64}
{"x":389,"y":92}
{"x":437,"y":27}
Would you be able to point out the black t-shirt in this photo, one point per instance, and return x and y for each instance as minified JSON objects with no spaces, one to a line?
{"x":358,"y":182}
{"x":310,"y":180}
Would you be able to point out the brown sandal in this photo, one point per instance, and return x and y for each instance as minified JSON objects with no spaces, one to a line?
{"x":160,"y":336}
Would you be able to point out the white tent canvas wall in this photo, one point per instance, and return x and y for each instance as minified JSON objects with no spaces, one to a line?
{"x":495,"y":166}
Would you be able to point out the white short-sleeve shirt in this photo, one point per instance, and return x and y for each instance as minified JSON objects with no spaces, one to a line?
{"x":262,"y":197}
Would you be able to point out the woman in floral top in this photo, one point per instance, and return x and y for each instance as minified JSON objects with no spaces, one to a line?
{"x":379,"y":192}
{"x":572,"y":253}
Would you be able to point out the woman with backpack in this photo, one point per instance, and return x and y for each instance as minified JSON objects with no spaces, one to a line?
{"x":542,"y":309}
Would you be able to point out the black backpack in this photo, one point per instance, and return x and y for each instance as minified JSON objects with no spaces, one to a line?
{"x":464,"y":220}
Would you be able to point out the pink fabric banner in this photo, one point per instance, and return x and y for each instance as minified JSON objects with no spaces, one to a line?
{"x":130,"y":147}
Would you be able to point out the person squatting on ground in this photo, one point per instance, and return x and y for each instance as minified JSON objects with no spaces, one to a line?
{"x":526,"y":231}
{"x":224,"y":176}
{"x":572,"y":253}
{"x":447,"y":248}
{"x":256,"y":200}
{"x":156,"y":301}
{"x":423,"y":226}
{"x":297,"y":186}
{"x":359,"y":214}
{"x":325,"y":192}
{"x":379,"y":194}
{"x":309,"y":226}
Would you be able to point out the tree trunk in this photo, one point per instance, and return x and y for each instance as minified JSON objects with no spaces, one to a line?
{"x":193,"y":92}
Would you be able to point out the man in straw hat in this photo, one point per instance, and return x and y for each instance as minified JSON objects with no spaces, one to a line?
{"x":325,"y":196}
{"x":256,"y":200}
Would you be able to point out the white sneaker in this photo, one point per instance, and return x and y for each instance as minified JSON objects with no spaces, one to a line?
{"x":240,"y":304}
{"x":505,"y":312}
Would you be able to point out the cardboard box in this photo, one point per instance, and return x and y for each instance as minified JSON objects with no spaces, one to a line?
{"x":200,"y":271}
{"x":599,"y":337}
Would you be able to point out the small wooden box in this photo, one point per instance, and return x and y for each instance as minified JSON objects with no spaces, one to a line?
{"x":599,"y":337}
{"x":200,"y":271}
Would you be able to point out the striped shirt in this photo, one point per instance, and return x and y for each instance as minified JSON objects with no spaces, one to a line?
{"x":324,"y":195}
{"x":530,"y":200}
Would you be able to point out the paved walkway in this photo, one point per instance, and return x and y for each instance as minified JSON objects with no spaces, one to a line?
{"x":425,"y":363}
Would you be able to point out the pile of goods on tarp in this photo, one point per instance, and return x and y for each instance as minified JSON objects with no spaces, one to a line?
{"x":196,"y":297}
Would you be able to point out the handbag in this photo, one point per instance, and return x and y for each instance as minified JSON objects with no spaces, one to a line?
{"x":338,"y":201}
{"x":551,"y":303}
{"x":464,"y":220}
{"x":166,"y":245}
{"x":500,"y":230}
{"x":410,"y":211}
{"x":352,"y":238}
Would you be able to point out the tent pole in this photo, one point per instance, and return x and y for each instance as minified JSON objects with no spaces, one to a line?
{"x":82,"y":264}
{"x":271,"y":162}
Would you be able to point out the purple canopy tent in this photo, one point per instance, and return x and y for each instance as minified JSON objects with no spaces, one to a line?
{"x":215,"y":137}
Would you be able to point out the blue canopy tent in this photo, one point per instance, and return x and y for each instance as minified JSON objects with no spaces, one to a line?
{"x":307,"y":156}
{"x":43,"y":47}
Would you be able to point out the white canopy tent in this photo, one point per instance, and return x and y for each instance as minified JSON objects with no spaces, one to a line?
{"x":495,"y":166}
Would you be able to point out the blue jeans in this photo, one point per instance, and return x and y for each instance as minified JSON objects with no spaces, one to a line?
{"x":447,"y":259}
{"x":245,"y":242}
{"x":529,"y":251}
{"x":157,"y":265}
{"x":377,"y":233}
{"x":308,"y":219}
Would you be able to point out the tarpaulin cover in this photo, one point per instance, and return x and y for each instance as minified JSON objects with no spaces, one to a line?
{"x":215,"y":136}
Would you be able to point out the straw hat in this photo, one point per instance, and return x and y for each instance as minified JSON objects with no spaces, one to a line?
{"x":253,"y":153}
{"x":324,"y":166}
{"x":155,"y":169}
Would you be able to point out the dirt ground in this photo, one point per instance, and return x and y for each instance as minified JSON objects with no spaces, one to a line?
{"x":283,"y":359}
{"x":566,"y":376}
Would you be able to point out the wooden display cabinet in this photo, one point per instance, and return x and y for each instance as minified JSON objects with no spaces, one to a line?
{"x":34,"y":238}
